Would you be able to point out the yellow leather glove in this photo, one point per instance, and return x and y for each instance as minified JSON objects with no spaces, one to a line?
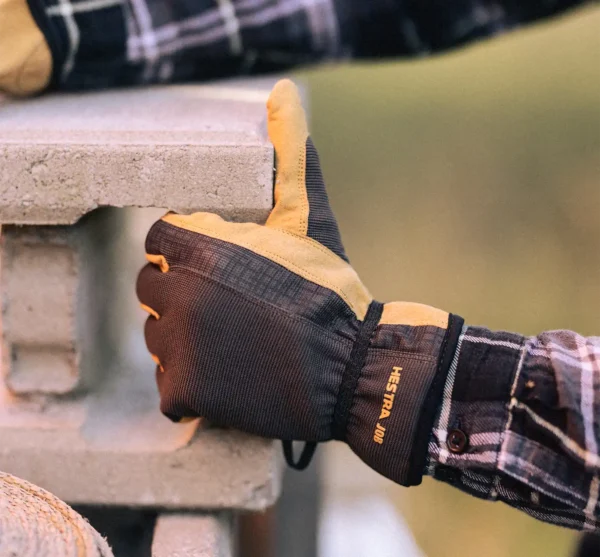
{"x":270,"y":330}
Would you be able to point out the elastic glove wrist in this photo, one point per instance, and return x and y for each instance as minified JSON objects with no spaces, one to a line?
{"x":397,"y":394}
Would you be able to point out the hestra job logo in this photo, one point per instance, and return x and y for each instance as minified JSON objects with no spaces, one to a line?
{"x":388,"y":404}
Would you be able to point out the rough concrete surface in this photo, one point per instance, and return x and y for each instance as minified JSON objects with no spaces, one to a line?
{"x":39,"y":285}
{"x":54,"y":298}
{"x":216,"y":469}
{"x":79,"y":409}
{"x":187,"y":147}
{"x":192,"y":535}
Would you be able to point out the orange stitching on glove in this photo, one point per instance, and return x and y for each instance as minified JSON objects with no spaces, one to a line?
{"x":151,"y":311}
{"x":157,"y":362}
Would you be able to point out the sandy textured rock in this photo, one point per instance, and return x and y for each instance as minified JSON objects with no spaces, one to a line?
{"x":186,"y":147}
{"x":34,"y":523}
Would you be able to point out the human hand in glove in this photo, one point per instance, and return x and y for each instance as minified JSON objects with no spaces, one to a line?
{"x":268,"y":328}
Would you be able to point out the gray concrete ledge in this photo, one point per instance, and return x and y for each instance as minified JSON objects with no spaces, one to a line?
{"x":186,"y":148}
{"x":213,"y":469}
{"x":192,"y":535}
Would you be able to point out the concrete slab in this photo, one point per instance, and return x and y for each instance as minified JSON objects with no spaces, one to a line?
{"x":214,"y":469}
{"x":192,"y":535}
{"x":187,"y":148}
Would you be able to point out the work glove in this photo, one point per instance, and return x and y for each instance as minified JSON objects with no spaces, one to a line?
{"x":268,"y":328}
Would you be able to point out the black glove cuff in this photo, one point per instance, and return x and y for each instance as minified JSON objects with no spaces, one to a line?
{"x":397,"y":396}
{"x":56,"y":38}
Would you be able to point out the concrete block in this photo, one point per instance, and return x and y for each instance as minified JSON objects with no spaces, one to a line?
{"x":192,"y":535}
{"x":79,"y":408}
{"x":111,"y":445}
{"x":149,"y":464}
{"x":53,"y":292}
{"x":186,"y":147}
{"x":40,"y":278}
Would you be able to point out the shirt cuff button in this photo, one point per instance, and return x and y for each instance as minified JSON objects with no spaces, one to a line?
{"x":457,"y":441}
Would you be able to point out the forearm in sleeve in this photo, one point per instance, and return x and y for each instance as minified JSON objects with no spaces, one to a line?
{"x":411,"y":27}
{"x":107,"y":43}
{"x":520,"y":422}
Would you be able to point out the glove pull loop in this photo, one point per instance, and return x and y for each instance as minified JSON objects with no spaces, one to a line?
{"x":305,"y":456}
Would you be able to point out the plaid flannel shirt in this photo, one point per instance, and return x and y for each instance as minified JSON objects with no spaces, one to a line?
{"x":520,"y":423}
{"x":525,"y":411}
{"x":105,"y":43}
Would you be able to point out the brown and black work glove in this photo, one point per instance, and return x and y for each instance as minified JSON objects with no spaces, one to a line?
{"x":270,"y":330}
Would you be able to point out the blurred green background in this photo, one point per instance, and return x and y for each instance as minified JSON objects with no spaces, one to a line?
{"x":471,"y":181}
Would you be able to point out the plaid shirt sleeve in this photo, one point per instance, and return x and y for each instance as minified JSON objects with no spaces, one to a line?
{"x":520,"y":423}
{"x":105,"y":43}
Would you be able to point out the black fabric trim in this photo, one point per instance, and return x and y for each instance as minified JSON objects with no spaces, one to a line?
{"x":322,"y":225}
{"x":353,"y":370}
{"x":431,"y":405}
{"x":50,"y":32}
{"x":305,"y":456}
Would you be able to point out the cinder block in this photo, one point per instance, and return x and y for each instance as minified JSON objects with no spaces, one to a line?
{"x":111,"y":446}
{"x":39,"y":284}
{"x":72,"y":324}
{"x":53,"y":292}
{"x":192,"y":535}
{"x":160,"y":465}
{"x":183,"y":147}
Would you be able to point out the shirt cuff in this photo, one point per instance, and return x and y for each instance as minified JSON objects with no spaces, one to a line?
{"x":468,"y":431}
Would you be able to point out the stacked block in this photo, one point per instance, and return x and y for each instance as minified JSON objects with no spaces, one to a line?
{"x":78,"y":405}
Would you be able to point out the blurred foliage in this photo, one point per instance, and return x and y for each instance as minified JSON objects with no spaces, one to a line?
{"x":471,"y":181}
